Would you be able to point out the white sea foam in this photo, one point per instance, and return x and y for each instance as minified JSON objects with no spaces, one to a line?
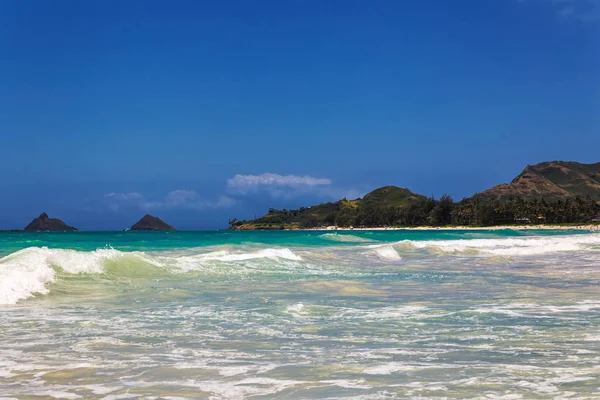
{"x":521,"y":246}
{"x":535,"y":310}
{"x":236,"y":389}
{"x":244,"y":369}
{"x":27,"y":272}
{"x":22,"y":275}
{"x":389,"y":368}
{"x":284,"y":253}
{"x":213,"y":261}
{"x":59,"y":395}
{"x":295,"y":308}
{"x":348,"y":384}
{"x":393,"y":312}
{"x":100,"y":389}
{"x":387,"y":252}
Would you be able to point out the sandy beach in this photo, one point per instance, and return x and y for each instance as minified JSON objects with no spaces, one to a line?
{"x":582,"y":227}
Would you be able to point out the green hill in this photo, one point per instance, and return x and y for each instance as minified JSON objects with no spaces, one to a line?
{"x":342,"y":213}
{"x":390,"y":196}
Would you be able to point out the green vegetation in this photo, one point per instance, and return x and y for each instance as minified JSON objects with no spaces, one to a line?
{"x":377,"y":208}
{"x":390,"y":196}
{"x":517,"y":210}
{"x":548,"y":193}
{"x":429,"y":212}
{"x":552,"y":180}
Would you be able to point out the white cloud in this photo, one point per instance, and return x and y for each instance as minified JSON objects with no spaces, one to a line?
{"x":181,"y":198}
{"x":277,"y":185}
{"x":287,"y":187}
{"x":118,"y":200}
{"x":124,"y":196}
{"x":150,"y":204}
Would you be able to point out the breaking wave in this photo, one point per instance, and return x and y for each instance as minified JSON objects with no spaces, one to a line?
{"x":522,"y":246}
{"x":27,"y":272}
{"x":387,"y":253}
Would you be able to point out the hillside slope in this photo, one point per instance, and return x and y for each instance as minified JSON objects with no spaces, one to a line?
{"x":570,"y":190}
{"x":550,"y":180}
{"x":341,"y":213}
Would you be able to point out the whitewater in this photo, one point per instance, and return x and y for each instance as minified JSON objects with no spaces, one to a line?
{"x":503,"y":314}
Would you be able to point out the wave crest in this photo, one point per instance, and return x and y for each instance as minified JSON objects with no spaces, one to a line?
{"x":27,"y":272}
{"x":522,"y":246}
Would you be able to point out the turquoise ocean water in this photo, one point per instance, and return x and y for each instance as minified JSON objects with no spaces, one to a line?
{"x":300,"y":315}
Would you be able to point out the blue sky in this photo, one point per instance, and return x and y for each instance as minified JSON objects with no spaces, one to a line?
{"x":200,"y":111}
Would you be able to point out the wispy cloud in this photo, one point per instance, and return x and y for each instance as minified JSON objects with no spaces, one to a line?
{"x":275,"y":184}
{"x":117,"y":201}
{"x":238,"y":190}
{"x":287,"y":187}
{"x":124,"y":196}
{"x":580,"y":10}
{"x":181,"y":198}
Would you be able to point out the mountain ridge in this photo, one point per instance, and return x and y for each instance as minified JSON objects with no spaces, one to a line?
{"x":550,"y":181}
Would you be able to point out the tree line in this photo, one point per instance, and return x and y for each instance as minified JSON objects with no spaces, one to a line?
{"x":437,"y":212}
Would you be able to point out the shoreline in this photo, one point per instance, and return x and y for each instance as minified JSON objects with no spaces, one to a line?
{"x":582,"y":227}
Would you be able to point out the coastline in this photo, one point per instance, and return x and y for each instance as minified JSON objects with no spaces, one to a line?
{"x":581,"y":227}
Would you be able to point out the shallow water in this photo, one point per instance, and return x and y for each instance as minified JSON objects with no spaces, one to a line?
{"x":362,"y":315}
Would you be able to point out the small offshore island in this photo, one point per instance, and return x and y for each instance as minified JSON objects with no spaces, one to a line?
{"x":151,"y":223}
{"x":551,"y":195}
{"x":44,"y":223}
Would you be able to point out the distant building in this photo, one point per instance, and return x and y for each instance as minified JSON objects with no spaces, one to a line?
{"x":523,"y":220}
{"x":596,"y":218}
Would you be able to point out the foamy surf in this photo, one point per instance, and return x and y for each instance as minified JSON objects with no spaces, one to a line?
{"x":387,"y":252}
{"x":524,"y":246}
{"x":285,"y":254}
{"x":28,"y":272}
{"x":292,"y":314}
